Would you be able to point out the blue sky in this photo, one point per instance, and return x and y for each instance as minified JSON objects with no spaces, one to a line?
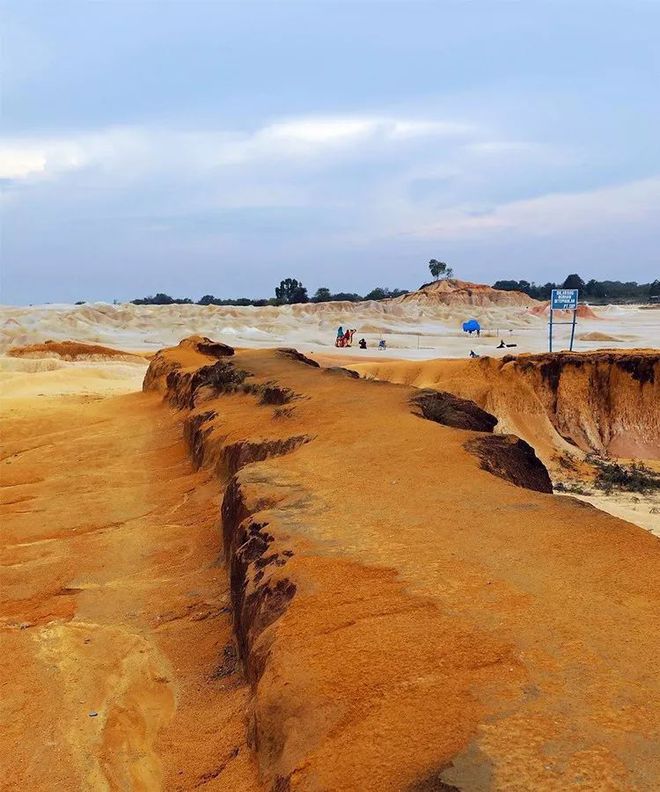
{"x":210,"y":147}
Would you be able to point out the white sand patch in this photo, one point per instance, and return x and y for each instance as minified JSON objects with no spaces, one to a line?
{"x":411,"y":330}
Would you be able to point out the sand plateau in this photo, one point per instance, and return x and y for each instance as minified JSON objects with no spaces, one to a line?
{"x":393,"y":600}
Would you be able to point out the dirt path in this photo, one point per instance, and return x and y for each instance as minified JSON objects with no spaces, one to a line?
{"x":117,"y":668}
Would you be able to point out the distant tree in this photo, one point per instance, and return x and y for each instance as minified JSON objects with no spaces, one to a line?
{"x":383,"y":293}
{"x":595,"y":289}
{"x":162,"y":299}
{"x":346,"y":297}
{"x":207,"y":299}
{"x":507,"y":285}
{"x":573,"y":281}
{"x":611,"y":291}
{"x":322,"y":295}
{"x":654,"y":288}
{"x":440,"y":270}
{"x":80,"y":302}
{"x":379,"y":293}
{"x":291,"y":291}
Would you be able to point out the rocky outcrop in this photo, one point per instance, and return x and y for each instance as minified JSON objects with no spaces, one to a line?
{"x":603,"y":402}
{"x":513,"y":460}
{"x":186,"y":388}
{"x":293,"y":354}
{"x":564,"y":404}
{"x":191,"y":352}
{"x":260,"y":588}
{"x":449,"y":410}
{"x":243,"y":452}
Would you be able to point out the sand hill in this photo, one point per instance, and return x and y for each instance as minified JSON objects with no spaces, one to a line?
{"x":454,"y":292}
{"x":582,"y":312}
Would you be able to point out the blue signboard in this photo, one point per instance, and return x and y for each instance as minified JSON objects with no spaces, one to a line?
{"x":564,"y":299}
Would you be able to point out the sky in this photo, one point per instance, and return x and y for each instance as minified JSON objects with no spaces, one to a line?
{"x":218,"y":147}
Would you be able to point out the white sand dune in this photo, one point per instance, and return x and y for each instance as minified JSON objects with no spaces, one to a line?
{"x":411,"y":328}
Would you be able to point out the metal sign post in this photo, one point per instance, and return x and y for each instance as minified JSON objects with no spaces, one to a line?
{"x":563,"y":300}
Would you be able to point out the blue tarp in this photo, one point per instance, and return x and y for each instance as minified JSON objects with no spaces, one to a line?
{"x":471,"y":325}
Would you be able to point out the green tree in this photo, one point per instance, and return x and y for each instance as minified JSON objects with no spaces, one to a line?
{"x":291,"y":291}
{"x":594,"y":289}
{"x":347,"y":297}
{"x":322,"y":295}
{"x":440,"y":270}
{"x":654,"y":288}
{"x":573,"y":281}
{"x":379,"y":293}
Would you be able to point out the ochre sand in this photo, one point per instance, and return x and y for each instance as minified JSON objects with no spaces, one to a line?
{"x":416,"y":621}
{"x":604,"y":402}
{"x":112,"y":600}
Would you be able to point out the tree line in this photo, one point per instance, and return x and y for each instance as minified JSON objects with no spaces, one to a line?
{"x":289,"y":292}
{"x":592,"y":290}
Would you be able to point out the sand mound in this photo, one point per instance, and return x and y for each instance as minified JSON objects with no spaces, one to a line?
{"x":457,"y":292}
{"x":583,"y":312}
{"x":596,"y":336}
{"x":71,"y":351}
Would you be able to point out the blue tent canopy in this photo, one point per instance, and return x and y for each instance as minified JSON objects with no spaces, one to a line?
{"x":471,"y":325}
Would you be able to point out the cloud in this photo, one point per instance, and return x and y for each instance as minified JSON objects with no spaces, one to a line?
{"x":20,"y":162}
{"x":144,"y":148}
{"x":366,"y":177}
{"x":633,"y":202}
{"x":40,"y":158}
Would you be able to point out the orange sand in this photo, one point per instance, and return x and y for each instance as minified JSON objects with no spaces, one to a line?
{"x":445,"y":624}
{"x":71,"y":350}
{"x":112,"y":603}
{"x":457,"y":292}
{"x":408,"y":621}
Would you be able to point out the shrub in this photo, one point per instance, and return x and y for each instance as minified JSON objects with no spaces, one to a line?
{"x":629,"y":478}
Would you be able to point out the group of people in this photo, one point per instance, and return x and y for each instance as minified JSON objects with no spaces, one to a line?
{"x":345,"y":339}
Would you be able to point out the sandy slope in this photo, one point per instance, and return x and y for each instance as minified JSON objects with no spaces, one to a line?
{"x":408,"y":619}
{"x":592,"y":405}
{"x":113,"y":619}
